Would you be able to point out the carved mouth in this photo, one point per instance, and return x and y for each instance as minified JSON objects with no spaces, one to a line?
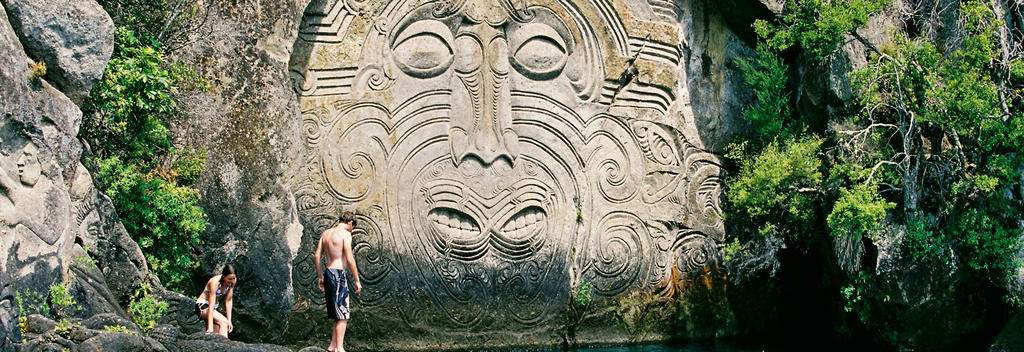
{"x":523,"y":223}
{"x":521,"y":237}
{"x":456,"y":234}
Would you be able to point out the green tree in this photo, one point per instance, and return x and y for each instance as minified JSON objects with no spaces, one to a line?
{"x":146,"y":176}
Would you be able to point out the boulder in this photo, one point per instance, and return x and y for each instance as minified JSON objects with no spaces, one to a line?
{"x":102,"y":321}
{"x":167,"y":335}
{"x":202,"y":342}
{"x":73,"y":37}
{"x":118,"y":341}
{"x":38,"y":324}
{"x":1011,"y":338}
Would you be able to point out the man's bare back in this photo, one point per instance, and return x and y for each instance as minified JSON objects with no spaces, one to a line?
{"x":334,"y":242}
{"x":336,"y":245}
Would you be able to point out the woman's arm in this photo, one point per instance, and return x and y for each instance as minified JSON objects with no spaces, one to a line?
{"x":228,"y":303}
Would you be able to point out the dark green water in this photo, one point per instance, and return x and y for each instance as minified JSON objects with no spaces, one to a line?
{"x":703,"y":347}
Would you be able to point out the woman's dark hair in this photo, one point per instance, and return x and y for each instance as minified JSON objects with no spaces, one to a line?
{"x":228,"y":270}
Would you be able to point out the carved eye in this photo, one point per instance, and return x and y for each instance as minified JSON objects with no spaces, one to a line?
{"x":422,"y":49}
{"x":541,"y":55}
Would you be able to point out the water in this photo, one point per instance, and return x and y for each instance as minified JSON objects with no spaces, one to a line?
{"x":700,"y":347}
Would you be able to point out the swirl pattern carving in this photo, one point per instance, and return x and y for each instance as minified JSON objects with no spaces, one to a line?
{"x":492,"y":159}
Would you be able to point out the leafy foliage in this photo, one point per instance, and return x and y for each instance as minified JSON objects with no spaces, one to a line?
{"x":30,"y":302}
{"x":818,"y":26}
{"x":171,"y":23}
{"x":61,"y":300}
{"x":929,"y":159}
{"x":118,"y":328}
{"x":36,"y":70}
{"x":774,"y":190}
{"x":951,"y":100}
{"x":858,"y":211}
{"x":145,"y":309}
{"x":770,"y":110}
{"x":146,"y":176}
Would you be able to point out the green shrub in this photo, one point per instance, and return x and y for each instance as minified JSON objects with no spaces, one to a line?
{"x":127,"y":117}
{"x":770,"y":111}
{"x":165,"y":219}
{"x":118,"y":328}
{"x":61,"y":300}
{"x":36,"y":70}
{"x":776,"y":188}
{"x":63,"y":328}
{"x":858,"y":211}
{"x":146,"y":310}
{"x":30,"y":302}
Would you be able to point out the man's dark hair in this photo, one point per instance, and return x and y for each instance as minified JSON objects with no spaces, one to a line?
{"x":348,"y":216}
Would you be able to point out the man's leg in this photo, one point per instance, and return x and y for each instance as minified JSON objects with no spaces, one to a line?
{"x":339,"y":329}
{"x":334,"y":339}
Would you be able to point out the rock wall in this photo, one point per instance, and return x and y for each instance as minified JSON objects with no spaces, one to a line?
{"x":498,"y":154}
{"x":50,"y":212}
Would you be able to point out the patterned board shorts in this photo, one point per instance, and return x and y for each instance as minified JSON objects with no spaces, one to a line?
{"x":336,"y":290}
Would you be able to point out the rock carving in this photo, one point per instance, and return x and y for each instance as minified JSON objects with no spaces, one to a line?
{"x":496,"y":155}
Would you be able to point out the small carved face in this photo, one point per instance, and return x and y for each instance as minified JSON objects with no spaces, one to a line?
{"x":29,"y":169}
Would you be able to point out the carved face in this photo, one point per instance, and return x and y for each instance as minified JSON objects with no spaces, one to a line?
{"x":474,"y":140}
{"x":29,"y":169}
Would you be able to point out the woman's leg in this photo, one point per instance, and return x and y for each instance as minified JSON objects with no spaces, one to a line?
{"x":220,"y":322}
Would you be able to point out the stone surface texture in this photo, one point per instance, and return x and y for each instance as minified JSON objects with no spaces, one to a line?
{"x":497,"y":155}
{"x":73,"y":37}
{"x":55,"y":227}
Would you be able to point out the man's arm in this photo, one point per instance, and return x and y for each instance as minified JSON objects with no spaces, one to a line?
{"x":316,"y":261}
{"x":351,"y":259}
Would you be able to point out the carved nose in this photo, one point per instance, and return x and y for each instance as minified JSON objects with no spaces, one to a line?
{"x":482,"y":115}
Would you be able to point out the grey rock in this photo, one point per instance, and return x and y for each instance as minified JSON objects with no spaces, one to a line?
{"x":117,"y":341}
{"x":181,"y":313}
{"x":1011,"y":338}
{"x":312,"y":349}
{"x":202,"y":342}
{"x":166,"y":335}
{"x":39,"y":324}
{"x":101,"y":321}
{"x":10,"y":332}
{"x":75,"y":39}
{"x":616,"y":127}
{"x":60,"y":340}
{"x":38,"y":346}
{"x":80,"y":333}
{"x":242,"y":189}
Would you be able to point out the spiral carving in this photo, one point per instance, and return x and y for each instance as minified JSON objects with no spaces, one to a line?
{"x":618,"y":253}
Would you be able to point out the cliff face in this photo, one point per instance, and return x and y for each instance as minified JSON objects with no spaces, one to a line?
{"x":498,"y":154}
{"x":502,"y":157}
{"x":50,"y":211}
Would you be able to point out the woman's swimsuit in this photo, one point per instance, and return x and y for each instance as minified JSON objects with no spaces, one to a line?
{"x":202,"y":304}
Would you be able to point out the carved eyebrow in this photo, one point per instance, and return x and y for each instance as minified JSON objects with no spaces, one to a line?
{"x":434,"y":27}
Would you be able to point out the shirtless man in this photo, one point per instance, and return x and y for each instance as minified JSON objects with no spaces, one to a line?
{"x":336,"y":244}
